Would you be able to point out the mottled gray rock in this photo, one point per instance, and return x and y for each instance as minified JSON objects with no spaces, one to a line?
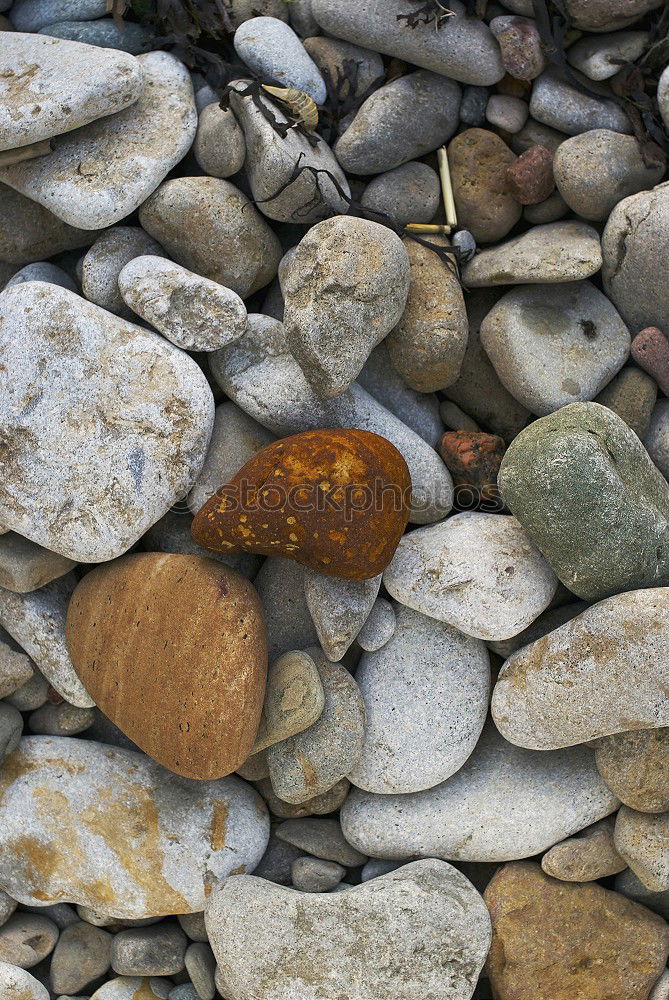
{"x":314,"y":875}
{"x":425,"y":929}
{"x":333,"y":56}
{"x":506,"y":112}
{"x":661,"y":989}
{"x":549,"y":210}
{"x":632,"y":394}
{"x":7,"y":907}
{"x":422,"y":724}
{"x":588,"y":856}
{"x":29,"y":232}
{"x":635,"y":766}
{"x":31,"y":15}
{"x":455,"y":419}
{"x":409,"y":193}
{"x":62,"y":914}
{"x":629,"y":885}
{"x":536,"y":134}
{"x":105,"y":170}
{"x":272,"y":50}
{"x":43,"y":271}
{"x":600,"y":57}
{"x":597,"y":169}
{"x":201,"y":966}
{"x":379,"y":627}
{"x":32,"y":694}
{"x":17,"y":983}
{"x":53,"y":86}
{"x":209,"y":226}
{"x":135,"y":38}
{"x":323,"y":838}
{"x":505,"y":803}
{"x":61,"y":720}
{"x":320,"y":805}
{"x":301,"y":18}
{"x":67,"y":801}
{"x":149,"y":951}
{"x":338,"y":608}
{"x":558,"y":252}
{"x":83,"y":954}
{"x":280,"y":583}
{"x":102,"y":442}
{"x":621,"y":647}
{"x":101,"y":266}
{"x":11,"y":727}
{"x":607,"y":15}
{"x":277,"y":862}
{"x":294,"y":699}
{"x":193,"y":925}
{"x":641,"y":839}
{"x":465,"y":51}
{"x":552,"y":345}
{"x":25,"y":566}
{"x":185,"y":991}
{"x":557,"y":103}
{"x":657,"y":438}
{"x":418,"y":410}
{"x":219,"y":146}
{"x":478,"y":572}
{"x":473,"y":105}
{"x":27,"y":938}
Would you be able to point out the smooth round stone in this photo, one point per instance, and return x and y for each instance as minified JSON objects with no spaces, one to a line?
{"x":280,"y":584}
{"x":27,"y":938}
{"x":650,"y":350}
{"x":11,"y":728}
{"x":104,"y":171}
{"x":485,"y":205}
{"x":272,"y":50}
{"x":62,"y":914}
{"x":620,"y":646}
{"x":314,"y":875}
{"x":334,"y":58}
{"x":558,"y":252}
{"x":31,"y":15}
{"x":119,"y":483}
{"x":185,"y":991}
{"x":294,"y":699}
{"x":17,"y":984}
{"x":149,"y":951}
{"x":64,"y":832}
{"x":661,"y":989}
{"x":588,"y":856}
{"x":345,"y":289}
{"x":43,"y":271}
{"x":219,"y":146}
{"x":277,"y":861}
{"x":15,"y":667}
{"x":201,"y":966}
{"x":69,"y":85}
{"x":477,"y":572}
{"x":339,"y":609}
{"x":193,"y":312}
{"x":556,"y":102}
{"x":61,"y":720}
{"x":130,"y":988}
{"x":25,"y":566}
{"x":32,"y":694}
{"x":608,"y":15}
{"x":323,"y":838}
{"x":379,"y":627}
{"x":506,"y":112}
{"x":629,"y":885}
{"x":574,"y":940}
{"x":399,"y":122}
{"x":82,"y":955}
{"x":409,"y":193}
{"x":504,"y":803}
{"x":552,"y":345}
{"x":210,"y":227}
{"x":421,"y":727}
{"x":600,"y":57}
{"x":29,"y":232}
{"x":635,"y":244}
{"x":466,"y":52}
{"x":536,"y":134}
{"x":102,"y":265}
{"x":319,"y":805}
{"x":418,"y":410}
{"x":657,"y":438}
{"x":632,"y":395}
{"x":104,"y":33}
{"x":192,"y":924}
{"x":427,"y":915}
{"x":597,"y":169}
{"x":583,"y":470}
{"x":635,"y":766}
{"x":641,"y":839}
{"x":549,"y":210}
{"x":520,"y":42}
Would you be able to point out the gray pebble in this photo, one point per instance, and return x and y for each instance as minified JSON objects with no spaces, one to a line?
{"x":506,"y":112}
{"x":31,"y":15}
{"x":186,"y":991}
{"x":657,"y":437}
{"x":83,"y":954}
{"x":338,"y":608}
{"x":62,"y":914}
{"x":17,"y":983}
{"x":7,"y":907}
{"x":456,"y":419}
{"x":149,"y":951}
{"x":322,"y":838}
{"x":31,"y":694}
{"x":379,"y":627}
{"x":557,"y":103}
{"x":320,"y":805}
{"x":301,"y":18}
{"x":29,"y":232}
{"x":26,"y":566}
{"x":629,"y":885}
{"x":465,"y":243}
{"x":274,"y":52}
{"x":61,"y":720}
{"x":27,"y":938}
{"x":280,"y":584}
{"x":11,"y":728}
{"x":350,"y":69}
{"x":101,"y":266}
{"x":315,"y":875}
{"x":276,"y":864}
{"x":418,"y":410}
{"x":600,"y":57}
{"x":134,"y":38}
{"x":193,"y":925}
{"x":43,"y":271}
{"x":641,"y":839}
{"x":535,"y":133}
{"x":409,"y":193}
{"x":378,"y":866}
{"x":473,"y":105}
{"x":200,"y":966}
{"x":219,"y":145}
{"x":607,"y":15}
{"x":550,"y":210}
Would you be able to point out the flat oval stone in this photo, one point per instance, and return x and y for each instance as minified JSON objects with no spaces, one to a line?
{"x":31,"y":15}
{"x":556,"y":102}
{"x":64,"y":831}
{"x":603,"y":672}
{"x":104,"y":33}
{"x":635,"y":766}
{"x":560,"y":251}
{"x":294,"y":699}
{"x":504,"y":803}
{"x":100,"y":450}
{"x":105,"y":170}
{"x":336,"y":501}
{"x":102,"y":265}
{"x":483,"y":198}
{"x":409,"y":193}
{"x":601,"y":57}
{"x":272,"y":50}
{"x":51,"y":86}
{"x":589,"y":855}
{"x":418,"y":410}
{"x":642,"y":839}
{"x":25,"y":567}
{"x":219,"y":146}
{"x":422,"y":725}
{"x":17,"y":984}
{"x":173,"y":650}
{"x":427,"y":914}
{"x":477,"y":572}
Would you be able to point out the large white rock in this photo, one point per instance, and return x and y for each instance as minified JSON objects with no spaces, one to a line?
{"x":17,"y":984}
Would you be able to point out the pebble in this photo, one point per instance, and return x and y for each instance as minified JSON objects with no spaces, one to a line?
{"x":401,"y":121}
{"x":473,"y":105}
{"x":322,"y":838}
{"x":558,"y":252}
{"x":192,"y":924}
{"x":556,"y":102}
{"x":466,"y":51}
{"x":62,"y":914}
{"x":31,"y":15}
{"x":100,"y":440}
{"x":149,"y":951}
{"x":102,"y":265}
{"x":507,"y":113}
{"x":641,"y":839}
{"x":421,"y":726}
{"x":294,"y":699}
{"x":311,"y":762}
{"x":427,"y":915}
{"x":17,"y":984}
{"x":244,"y":10}
{"x":427,"y":345}
{"x":663,"y":95}
{"x":185,"y":991}
{"x":210,"y":227}
{"x":7,"y":907}
{"x":588,"y":856}
{"x":657,"y":438}
{"x":632,"y":395}
{"x":504,"y":803}
{"x":555,"y":344}
{"x":582,"y":469}
{"x":473,"y":459}
{"x":409,"y":193}
{"x":221,"y":697}
{"x":25,"y":566}
{"x":43,"y":271}
{"x":61,"y":720}
{"x":301,"y":18}
{"x":37,"y":621}
{"x":344,"y":291}
{"x":531,"y":176}
{"x":11,"y":728}
{"x":379,"y":627}
{"x":29,"y":232}
{"x":275,"y":54}
{"x":418,"y":410}
{"x":603,"y":15}
{"x":130,"y":988}
{"x":477,"y":572}
{"x":661,"y":989}
{"x":545,"y":623}
{"x":200,"y":966}
{"x":27,"y":938}
{"x":32,"y":694}
{"x":15,"y":668}
{"x":105,"y":170}
{"x":650,"y":350}
{"x":82,"y":955}
{"x":619,"y":645}
{"x":349,"y":69}
{"x":254,"y":768}
{"x":64,"y":833}
{"x":536,"y":134}
{"x":635,"y":766}
{"x":549,"y":210}
{"x":314,"y":875}
{"x":576,"y":940}
{"x":104,"y":33}
{"x":629,"y":885}
{"x":521,"y":46}
{"x":597,"y":169}
{"x":600,"y":57}
{"x":277,"y":862}
{"x":67,"y":86}
{"x":339,"y":609}
{"x":280,"y":584}
{"x":483,"y":199}
{"x":219,"y":146}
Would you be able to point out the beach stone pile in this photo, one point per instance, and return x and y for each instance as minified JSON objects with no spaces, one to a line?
{"x":334,"y":529}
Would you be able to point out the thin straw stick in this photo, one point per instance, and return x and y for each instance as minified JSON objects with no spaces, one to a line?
{"x":446,"y":187}
{"x":419,"y":227}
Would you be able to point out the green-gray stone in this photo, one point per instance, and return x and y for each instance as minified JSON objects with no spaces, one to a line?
{"x":584,"y":488}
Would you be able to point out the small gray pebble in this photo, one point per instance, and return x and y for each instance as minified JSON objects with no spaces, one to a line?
{"x":62,"y":914}
{"x":379,"y":627}
{"x":409,"y":193}
{"x":61,"y":720}
{"x":27,"y":938}
{"x":271,"y":49}
{"x":201,"y":966}
{"x":30,"y":695}
{"x":277,"y":862}
{"x":81,"y":956}
{"x":186,"y":991}
{"x":473,"y":105}
{"x":557,"y":103}
{"x":134,"y":38}
{"x":323,"y":838}
{"x":193,"y":925}
{"x":31,"y":15}
{"x":149,"y":951}
{"x":316,"y":875}
{"x":43,"y":271}
{"x":465,"y":243}
{"x":11,"y":727}
{"x":378,"y":866}
{"x":219,"y":147}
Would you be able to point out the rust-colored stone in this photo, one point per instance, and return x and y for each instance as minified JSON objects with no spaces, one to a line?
{"x":531,"y":178}
{"x":566,"y":940}
{"x":650,"y":350}
{"x":473,"y":459}
{"x":333,"y":500}
{"x":173,"y":649}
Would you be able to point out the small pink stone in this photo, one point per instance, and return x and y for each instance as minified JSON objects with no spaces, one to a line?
{"x":650,"y":350}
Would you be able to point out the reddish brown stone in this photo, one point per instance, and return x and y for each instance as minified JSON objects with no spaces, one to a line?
{"x":334,"y":500}
{"x":530,"y":178}
{"x":650,"y":350}
{"x":485,"y":206}
{"x":520,"y":42}
{"x":473,"y":459}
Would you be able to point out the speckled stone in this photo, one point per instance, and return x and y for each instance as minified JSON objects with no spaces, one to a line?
{"x":280,"y":583}
{"x":11,"y":728}
{"x":642,"y":839}
{"x":506,"y":112}
{"x":602,"y":56}
{"x":635,"y":766}
{"x":201,"y":966}
{"x":485,"y":205}
{"x":550,"y":210}
{"x":15,"y":667}
{"x":82,"y":955}
{"x":650,"y":350}
{"x":43,"y":271}
{"x":60,"y":720}
{"x":158,"y":950}
{"x":25,"y":566}
{"x":520,"y":43}
{"x":632,"y":395}
{"x":314,"y":875}
{"x":294,"y":699}
{"x":531,"y":176}
{"x":321,"y":837}
{"x":219,"y":145}
{"x":657,"y":438}
{"x":588,"y":856}
{"x":409,"y":193}
{"x":26,"y":939}
{"x":17,"y":984}
{"x":29,"y":232}
{"x":131,"y":988}
{"x":629,"y":885}
{"x":541,"y":626}
{"x":272,"y":50}
{"x":32,"y":694}
{"x":31,"y":15}
{"x":379,"y":627}
{"x":103,"y":33}
{"x":319,"y":805}
{"x":418,"y":410}
{"x":339,"y":609}
{"x":558,"y":252}
{"x":101,"y":266}
{"x":557,"y":103}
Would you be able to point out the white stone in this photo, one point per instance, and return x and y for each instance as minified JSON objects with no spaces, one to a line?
{"x":338,"y":608}
{"x":17,"y":984}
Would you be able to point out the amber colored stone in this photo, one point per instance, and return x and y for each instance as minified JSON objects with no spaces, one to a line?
{"x":473,"y":459}
{"x":334,"y":500}
{"x":650,"y":350}
{"x":173,"y":650}
{"x":559,"y":940}
{"x":530,"y":178}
